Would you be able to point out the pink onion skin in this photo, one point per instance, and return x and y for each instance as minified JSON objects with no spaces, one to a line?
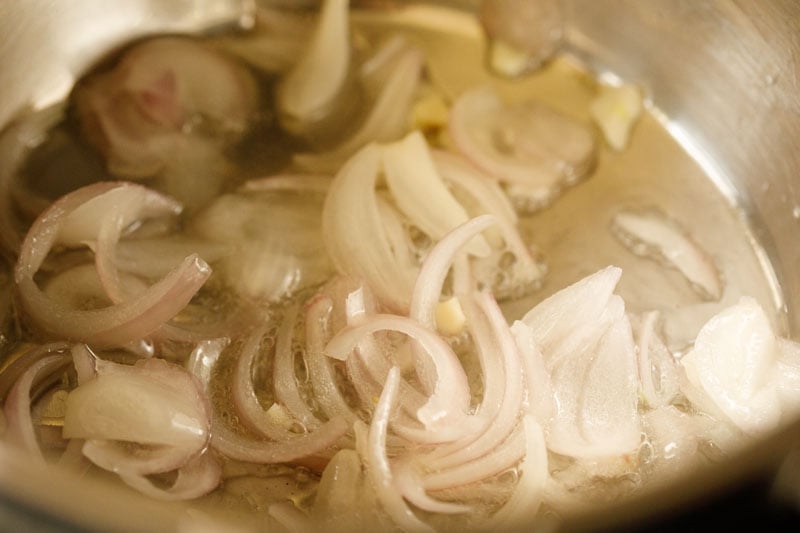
{"x":111,"y":326}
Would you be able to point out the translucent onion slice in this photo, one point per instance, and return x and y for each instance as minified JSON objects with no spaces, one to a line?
{"x":408,"y":481}
{"x":354,"y":235}
{"x":374,"y":455}
{"x":138,"y":112}
{"x":734,"y":361}
{"x":197,"y":478}
{"x":311,"y":87}
{"x":19,"y":428}
{"x":539,"y":401}
{"x":387,"y":119}
{"x":303,"y":447}
{"x":524,"y":503}
{"x":252,"y":414}
{"x":658,"y":370}
{"x":583,"y":301}
{"x":480,"y":194}
{"x":322,"y":374}
{"x":522,"y":35}
{"x":342,"y":499}
{"x":287,"y":391}
{"x":527,"y":145}
{"x":276,"y":237}
{"x":118,"y":324}
{"x":277,"y":38}
{"x":651,"y":233}
{"x":153,"y":402}
{"x":448,"y":390}
{"x":104,"y":218}
{"x":372,"y":356}
{"x":114,"y":457}
{"x":155,"y":257}
{"x":501,"y":458}
{"x":589,"y":352}
{"x":420,"y":193}
{"x":435,"y":267}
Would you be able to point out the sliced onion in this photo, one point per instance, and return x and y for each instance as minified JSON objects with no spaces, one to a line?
{"x":139,"y":112}
{"x":306,"y":446}
{"x":278,"y":246}
{"x":104,"y":218}
{"x":522,"y":35}
{"x":658,"y":370}
{"x":386,"y":120}
{"x":434,"y":269}
{"x":583,"y":301}
{"x":152,"y":402}
{"x":588,"y":349}
{"x":540,"y":401}
{"x":652,"y":234}
{"x":505,"y":419}
{"x":285,"y":382}
{"x":449,"y":392}
{"x":734,"y":362}
{"x":420,"y":193}
{"x":527,"y":145}
{"x":482,"y":195}
{"x":408,"y":481}
{"x":341,"y":500}
{"x":252,"y":414}
{"x":313,"y":85}
{"x":114,"y":457}
{"x":375,"y":361}
{"x":354,"y":236}
{"x":596,"y":394}
{"x":377,"y":462}
{"x":17,"y":407}
{"x":501,"y":458}
{"x":527,"y":497}
{"x":197,"y":478}
{"x":323,"y":379}
{"x":115,"y":325}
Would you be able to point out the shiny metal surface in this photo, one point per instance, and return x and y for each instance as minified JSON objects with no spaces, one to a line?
{"x":724,"y":74}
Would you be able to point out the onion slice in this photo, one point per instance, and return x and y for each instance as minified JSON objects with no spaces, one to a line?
{"x":197,"y":478}
{"x":311,"y":87}
{"x":354,"y":235}
{"x":378,"y":467}
{"x":653,"y":234}
{"x":735,"y":362}
{"x":449,"y":392}
{"x":19,"y":428}
{"x":529,"y":145}
{"x":70,"y":220}
{"x":420,"y":193}
{"x":387,"y":120}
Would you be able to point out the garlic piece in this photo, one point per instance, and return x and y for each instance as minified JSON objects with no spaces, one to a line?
{"x":450,"y":319}
{"x":615,"y":110}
